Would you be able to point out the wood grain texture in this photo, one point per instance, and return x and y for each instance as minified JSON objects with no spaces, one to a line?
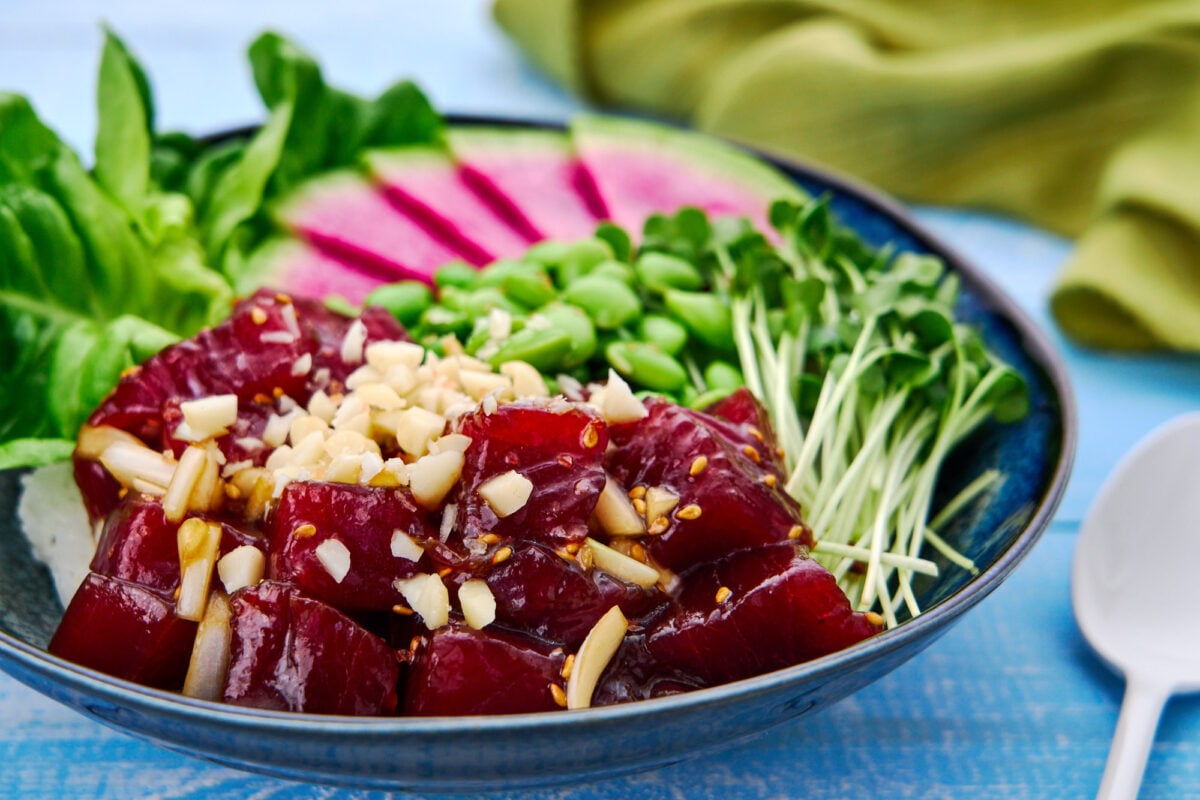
{"x":1009,"y":704}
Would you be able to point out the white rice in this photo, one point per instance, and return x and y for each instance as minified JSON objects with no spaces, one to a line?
{"x":55,"y":522}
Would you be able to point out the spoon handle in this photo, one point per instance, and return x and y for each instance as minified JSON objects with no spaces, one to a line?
{"x":1140,"y":711}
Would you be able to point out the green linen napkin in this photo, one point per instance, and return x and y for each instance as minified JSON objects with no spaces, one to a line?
{"x":1080,"y":115}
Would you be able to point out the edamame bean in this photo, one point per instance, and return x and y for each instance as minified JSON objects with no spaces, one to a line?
{"x":663,"y":332}
{"x":581,"y":258}
{"x":646,"y":366}
{"x":479,"y":302}
{"x":705,"y":399}
{"x":723,"y":375}
{"x":543,"y":348}
{"x":705,"y":315}
{"x":660,"y":272}
{"x":549,"y":254}
{"x":576,"y":324}
{"x":497,"y":272}
{"x":531,"y":289}
{"x":617,"y":270}
{"x":440,"y":320}
{"x":608,"y":302}
{"x":455,"y":273}
{"x":405,"y":300}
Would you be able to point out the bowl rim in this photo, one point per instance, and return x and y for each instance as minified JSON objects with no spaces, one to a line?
{"x":1036,"y":344}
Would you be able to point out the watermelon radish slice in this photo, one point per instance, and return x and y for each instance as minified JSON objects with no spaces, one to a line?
{"x":301,"y":270}
{"x":424,"y":183}
{"x":345,"y":217}
{"x":532,"y":178}
{"x":641,"y":168}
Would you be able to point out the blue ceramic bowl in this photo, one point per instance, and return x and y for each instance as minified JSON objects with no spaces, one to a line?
{"x":481,"y":753}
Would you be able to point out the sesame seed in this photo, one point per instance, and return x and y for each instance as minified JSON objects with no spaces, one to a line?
{"x":752,"y":453}
{"x":637,"y":492}
{"x":277,"y":392}
{"x":572,"y":547}
{"x":568,"y":665}
{"x":489,"y":538}
{"x":691,"y":511}
{"x":585,"y":557}
{"x":723,"y":594}
{"x":795,"y":532}
{"x":560,"y":697}
{"x":263,"y":399}
{"x":130,"y":371}
{"x":280,"y":297}
{"x":502,"y":555}
{"x":639,"y":505}
{"x":779,"y":452}
{"x":698,"y":465}
{"x":403,"y":611}
{"x":304,"y":531}
{"x":444,"y":571}
{"x":770,"y":480}
{"x":873,"y":618}
{"x":258,"y":316}
{"x":755,"y":433}
{"x":659,"y":525}
{"x":638,"y":552}
{"x":232,"y":492}
{"x":590,"y":437}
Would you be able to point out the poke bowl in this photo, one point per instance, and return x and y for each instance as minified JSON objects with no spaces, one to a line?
{"x":475,"y":753}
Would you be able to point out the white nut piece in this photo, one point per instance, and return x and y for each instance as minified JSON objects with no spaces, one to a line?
{"x":385,"y":355}
{"x":241,"y":567}
{"x":619,"y":404}
{"x":614,"y":563}
{"x":335,"y":558}
{"x":416,"y":428}
{"x":506,"y":493}
{"x":428,"y":596}
{"x":431,"y":477}
{"x":404,"y":546}
{"x":478,"y":603}
{"x":594,"y":654}
{"x":210,"y":416}
{"x":615,"y":512}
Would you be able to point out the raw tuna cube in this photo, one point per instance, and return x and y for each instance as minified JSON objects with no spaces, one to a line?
{"x":634,"y":674}
{"x":234,"y":357}
{"x":292,"y":653}
{"x":744,"y":421}
{"x":558,"y":447}
{"x":460,"y":671}
{"x":141,"y":546}
{"x":734,"y":500}
{"x":753,"y":612}
{"x":540,"y":592}
{"x":126,"y":631}
{"x":360,"y":522}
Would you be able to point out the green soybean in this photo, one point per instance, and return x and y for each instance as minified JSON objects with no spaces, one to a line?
{"x":611,"y":268}
{"x":543,"y":348}
{"x":549,"y":254}
{"x":576,"y":324}
{"x":646,"y":366}
{"x":705,"y":315}
{"x":607,"y":301}
{"x":705,"y":399}
{"x":480,"y":301}
{"x":455,"y":273}
{"x":663,"y":332}
{"x":531,"y":289}
{"x":440,"y":320}
{"x":581,"y":258}
{"x":404,"y":300}
{"x":660,"y":272}
{"x":723,"y":375}
{"x":497,"y":272}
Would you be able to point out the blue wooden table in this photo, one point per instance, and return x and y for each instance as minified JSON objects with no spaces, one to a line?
{"x":1010,"y":704}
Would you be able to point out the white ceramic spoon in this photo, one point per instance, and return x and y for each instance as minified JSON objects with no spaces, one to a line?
{"x":1135,"y":586}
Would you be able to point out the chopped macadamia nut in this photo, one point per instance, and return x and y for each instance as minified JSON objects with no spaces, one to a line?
{"x":404,"y":546}
{"x":210,"y":416}
{"x":428,"y":596}
{"x":240,"y":567}
{"x":506,"y":493}
{"x":335,"y":558}
{"x":619,"y":404}
{"x":431,"y":477}
{"x":354,"y":342}
{"x":478,"y":603}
